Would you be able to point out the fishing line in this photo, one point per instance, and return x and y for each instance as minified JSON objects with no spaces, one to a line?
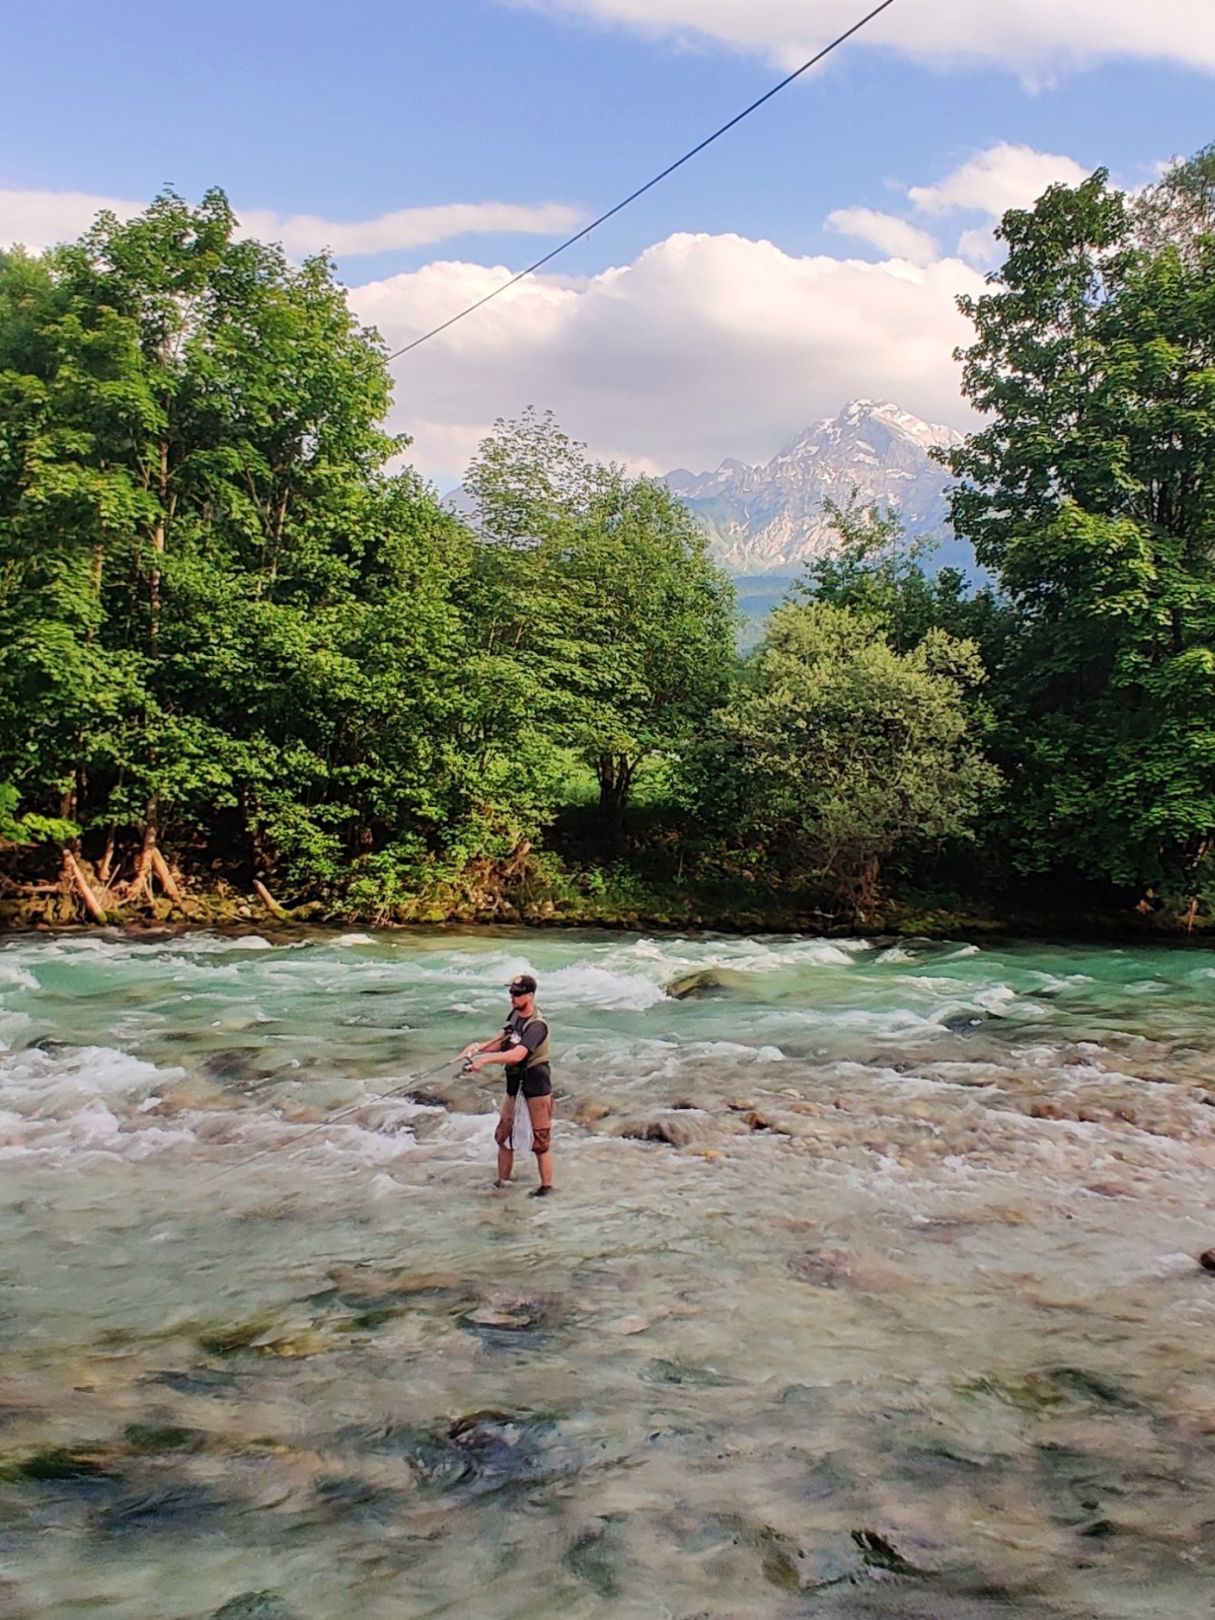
{"x":332,"y":1119}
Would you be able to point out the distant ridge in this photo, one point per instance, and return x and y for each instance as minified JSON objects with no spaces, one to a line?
{"x":769,"y":519}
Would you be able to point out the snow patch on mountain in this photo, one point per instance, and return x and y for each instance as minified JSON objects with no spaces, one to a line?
{"x":769,"y":518}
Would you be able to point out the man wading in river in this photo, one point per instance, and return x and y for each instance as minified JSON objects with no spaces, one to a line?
{"x":523,"y":1047}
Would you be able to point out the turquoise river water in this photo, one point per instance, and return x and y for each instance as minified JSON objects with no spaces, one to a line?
{"x":869,"y":1288}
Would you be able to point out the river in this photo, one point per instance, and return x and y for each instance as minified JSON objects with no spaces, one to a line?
{"x":869,"y":1288}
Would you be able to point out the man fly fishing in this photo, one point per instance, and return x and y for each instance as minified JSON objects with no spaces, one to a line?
{"x":523,"y":1047}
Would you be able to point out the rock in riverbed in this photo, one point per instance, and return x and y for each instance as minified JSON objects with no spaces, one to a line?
{"x":256,"y":1606}
{"x":821,"y":1268}
{"x":705,"y":982}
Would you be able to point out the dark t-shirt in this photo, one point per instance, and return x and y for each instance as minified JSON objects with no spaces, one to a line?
{"x":537,"y":1080}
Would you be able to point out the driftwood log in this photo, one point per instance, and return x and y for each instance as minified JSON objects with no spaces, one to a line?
{"x":165,"y":876}
{"x":268,"y":900}
{"x":75,"y":880}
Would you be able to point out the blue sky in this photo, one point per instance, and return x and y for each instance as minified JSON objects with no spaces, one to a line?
{"x":719,"y":314}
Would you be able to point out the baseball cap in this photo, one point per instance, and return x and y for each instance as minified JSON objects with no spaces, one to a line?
{"x":522,"y":985}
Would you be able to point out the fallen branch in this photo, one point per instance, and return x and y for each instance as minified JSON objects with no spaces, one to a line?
{"x":167,"y":881}
{"x":7,"y":886}
{"x":268,"y":900}
{"x":75,"y":879}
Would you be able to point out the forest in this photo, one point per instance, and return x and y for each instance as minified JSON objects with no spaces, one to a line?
{"x":251,"y":664}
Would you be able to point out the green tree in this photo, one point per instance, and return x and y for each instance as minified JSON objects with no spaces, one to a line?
{"x":837,"y":751}
{"x":600,"y":608}
{"x":1180,"y":207}
{"x":873,"y":569}
{"x":225,"y":623}
{"x":1091,"y":491}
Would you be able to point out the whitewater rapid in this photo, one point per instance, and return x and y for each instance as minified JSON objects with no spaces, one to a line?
{"x":869,"y":1289}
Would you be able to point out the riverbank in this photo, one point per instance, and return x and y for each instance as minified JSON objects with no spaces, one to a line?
{"x":628,"y":905}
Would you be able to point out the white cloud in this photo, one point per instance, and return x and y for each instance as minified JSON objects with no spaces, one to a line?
{"x":703,"y":347}
{"x":1002,"y":177}
{"x":36,"y":219}
{"x":979,"y":247}
{"x":39,"y":218}
{"x":1031,"y":37}
{"x":409,"y":227}
{"x":885,"y":232}
{"x":706,"y":346}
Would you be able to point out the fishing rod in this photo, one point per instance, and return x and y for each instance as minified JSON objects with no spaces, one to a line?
{"x":325,"y":1124}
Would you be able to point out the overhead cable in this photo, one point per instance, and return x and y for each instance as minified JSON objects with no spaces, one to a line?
{"x":649,"y":185}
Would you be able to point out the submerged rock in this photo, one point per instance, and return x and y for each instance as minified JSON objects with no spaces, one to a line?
{"x":230,"y":1341}
{"x":501,"y":1447}
{"x":520,"y":1314}
{"x":705,"y":982}
{"x":345,"y":1495}
{"x":594,"y":1560}
{"x":243,"y":1065}
{"x":966,"y":1023}
{"x":429,"y":1099}
{"x":878,"y":1553}
{"x":821,"y":1268}
{"x":155,"y":1440}
{"x":675,"y":1129}
{"x":481,"y":1451}
{"x":589,"y":1111}
{"x":196,"y":1381}
{"x":433,"y":1462}
{"x":168,"y":1508}
{"x":256,"y":1606}
{"x":756,"y":1120}
{"x":362,"y":1288}
{"x":63,"y":1465}
{"x":694,"y":1374}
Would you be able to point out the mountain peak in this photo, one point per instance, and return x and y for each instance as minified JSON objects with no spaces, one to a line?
{"x":770,"y":517}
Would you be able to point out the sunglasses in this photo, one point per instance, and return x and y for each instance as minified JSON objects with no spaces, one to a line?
{"x":515,"y":992}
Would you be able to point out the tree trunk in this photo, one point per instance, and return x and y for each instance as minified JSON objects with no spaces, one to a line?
{"x":165,"y":877}
{"x":615,"y":773}
{"x":858,"y":886}
{"x":141,"y":883}
{"x":75,"y":882}
{"x":268,"y":900}
{"x":106,"y":868}
{"x":143,"y":866}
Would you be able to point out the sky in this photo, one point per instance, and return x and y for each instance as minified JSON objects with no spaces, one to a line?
{"x":810,"y":257}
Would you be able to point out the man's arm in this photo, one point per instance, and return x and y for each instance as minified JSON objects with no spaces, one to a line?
{"x":494,"y":1043}
{"x":512,"y":1054}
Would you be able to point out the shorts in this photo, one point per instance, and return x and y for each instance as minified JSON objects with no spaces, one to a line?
{"x":540,"y":1114}
{"x":534,"y":1085}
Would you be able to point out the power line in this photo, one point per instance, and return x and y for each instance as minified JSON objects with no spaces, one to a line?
{"x":649,"y":185}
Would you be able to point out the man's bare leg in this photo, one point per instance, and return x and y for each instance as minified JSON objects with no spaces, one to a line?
{"x":506,"y":1156}
{"x":541,"y":1112}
